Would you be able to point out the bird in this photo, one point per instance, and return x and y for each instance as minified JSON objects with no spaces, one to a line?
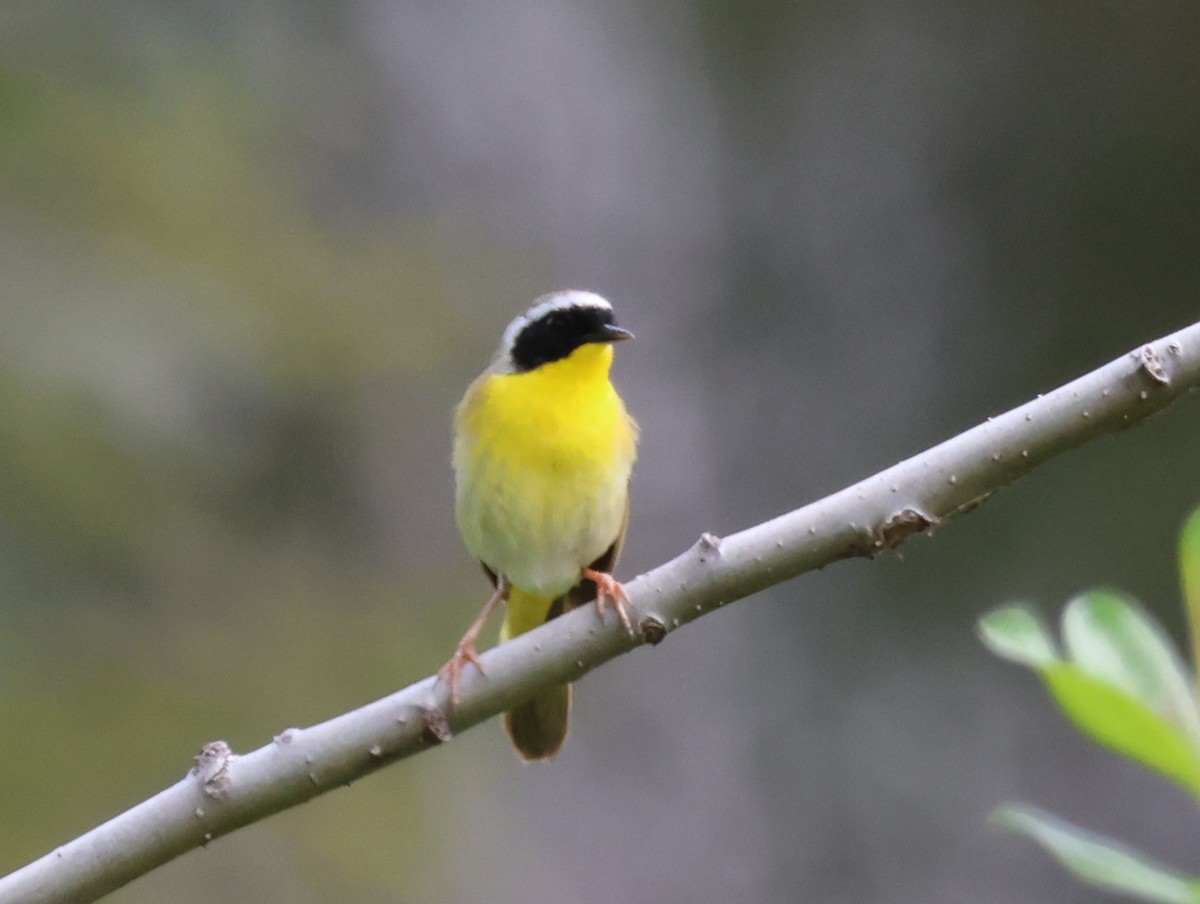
{"x":543,"y":453}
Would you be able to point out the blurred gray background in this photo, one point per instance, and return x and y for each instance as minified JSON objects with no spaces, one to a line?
{"x":250,"y":256}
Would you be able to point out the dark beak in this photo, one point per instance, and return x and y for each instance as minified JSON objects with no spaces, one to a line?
{"x":610,"y":332}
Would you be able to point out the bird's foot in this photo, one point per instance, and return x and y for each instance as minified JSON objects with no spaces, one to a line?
{"x":452,"y":671}
{"x":465,"y":652}
{"x":610,"y":590}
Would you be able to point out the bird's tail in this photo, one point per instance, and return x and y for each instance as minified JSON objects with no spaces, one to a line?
{"x":537,"y":727}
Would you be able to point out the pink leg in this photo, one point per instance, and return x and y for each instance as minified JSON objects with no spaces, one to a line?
{"x":465,"y":652}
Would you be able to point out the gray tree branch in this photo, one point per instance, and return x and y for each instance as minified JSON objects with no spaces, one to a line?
{"x":225,"y":791}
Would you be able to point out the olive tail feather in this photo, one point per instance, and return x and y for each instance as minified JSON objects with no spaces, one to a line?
{"x":538,"y":727}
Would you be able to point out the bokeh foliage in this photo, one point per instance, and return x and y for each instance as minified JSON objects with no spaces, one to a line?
{"x":1121,"y":682}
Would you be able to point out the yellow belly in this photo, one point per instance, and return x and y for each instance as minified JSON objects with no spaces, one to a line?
{"x":542,"y":461}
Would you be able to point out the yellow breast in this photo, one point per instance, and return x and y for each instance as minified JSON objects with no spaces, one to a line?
{"x":542,"y":461}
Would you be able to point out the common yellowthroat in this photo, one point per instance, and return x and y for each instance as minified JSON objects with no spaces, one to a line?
{"x":543,"y":451}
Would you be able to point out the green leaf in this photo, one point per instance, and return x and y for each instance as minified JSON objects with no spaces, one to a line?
{"x":1017,"y":634}
{"x":1099,"y":860}
{"x":1123,"y":684}
{"x":1189,"y":570}
{"x":1111,"y":638}
{"x":1123,"y":723}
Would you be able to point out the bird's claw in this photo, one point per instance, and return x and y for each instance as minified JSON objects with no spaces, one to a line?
{"x":452,"y":671}
{"x":610,"y":590}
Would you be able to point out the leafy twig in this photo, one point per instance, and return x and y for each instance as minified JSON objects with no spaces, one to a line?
{"x":226,"y":791}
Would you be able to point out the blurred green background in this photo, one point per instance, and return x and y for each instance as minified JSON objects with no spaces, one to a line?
{"x":250,"y":256}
